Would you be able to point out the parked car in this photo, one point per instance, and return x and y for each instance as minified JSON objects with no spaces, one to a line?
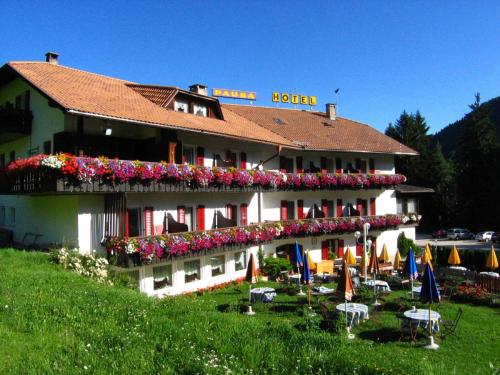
{"x":495,"y":237}
{"x":459,"y":234}
{"x":484,"y":236}
{"x":440,"y":233}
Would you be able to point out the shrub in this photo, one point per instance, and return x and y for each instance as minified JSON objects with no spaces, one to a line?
{"x":404,"y":245}
{"x":83,"y":264}
{"x":274,"y":266}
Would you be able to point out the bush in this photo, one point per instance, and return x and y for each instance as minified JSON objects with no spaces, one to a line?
{"x":83,"y":264}
{"x":274,"y":266}
{"x":404,"y":245}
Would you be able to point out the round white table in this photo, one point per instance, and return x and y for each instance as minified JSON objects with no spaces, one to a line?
{"x":492,"y":274}
{"x":355,"y":312}
{"x":262,"y":295}
{"x":381,"y":286}
{"x":458,"y":268}
{"x":419,"y":318}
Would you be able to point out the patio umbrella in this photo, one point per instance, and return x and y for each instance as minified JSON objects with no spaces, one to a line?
{"x":397,"y":261}
{"x":312,"y":265}
{"x":429,"y":293}
{"x":410,"y":268}
{"x":349,"y":258}
{"x":454,"y":258}
{"x":427,"y":256}
{"x":345,"y":289}
{"x":299,"y":263}
{"x":306,"y":272}
{"x":364,"y":261}
{"x":492,"y":261}
{"x":251,"y":278}
{"x":384,"y":255}
{"x":373,"y":267}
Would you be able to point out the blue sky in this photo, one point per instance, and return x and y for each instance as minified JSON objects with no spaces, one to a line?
{"x":385,"y":56}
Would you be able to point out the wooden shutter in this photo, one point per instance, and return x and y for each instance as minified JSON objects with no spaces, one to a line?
{"x":359,"y":206}
{"x":284,"y":210}
{"x":372,"y":207}
{"x":200,"y":156}
{"x":324,"y":207}
{"x":243,"y":160}
{"x":299,"y":162}
{"x":338,"y":165}
{"x":171,"y":151}
{"x":181,"y":214}
{"x":127,"y":225}
{"x":371,"y":166}
{"x":300,"y":209}
{"x":244,"y":214}
{"x":231,"y":212}
{"x":341,"y":248}
{"x":148,"y":221}
{"x":323,"y":164}
{"x":200,"y":217}
{"x":359,"y":249}
{"x":358,"y":165}
{"x":324,"y":250}
{"x":339,"y":207}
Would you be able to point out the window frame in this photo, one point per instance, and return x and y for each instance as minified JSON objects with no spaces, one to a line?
{"x":168,"y":278}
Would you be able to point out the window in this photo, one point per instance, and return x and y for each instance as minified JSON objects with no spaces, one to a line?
{"x":217,"y":263}
{"x":162,"y":276}
{"x":185,"y":216}
{"x":200,"y":110}
{"x":399,"y":206}
{"x":2,"y":215}
{"x":286,"y":164}
{"x":12,"y":156}
{"x":2,"y":160}
{"x":411,"y":205}
{"x":134,"y":220}
{"x":12,"y":216}
{"x":187,"y":154}
{"x":240,"y":260}
{"x":47,"y":147}
{"x":191,"y":271}
{"x":181,"y":107}
{"x":287,"y":210}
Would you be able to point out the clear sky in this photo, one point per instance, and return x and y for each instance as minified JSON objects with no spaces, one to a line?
{"x":385,"y":56}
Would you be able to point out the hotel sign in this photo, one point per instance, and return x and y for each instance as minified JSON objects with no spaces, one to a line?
{"x":294,"y":98}
{"x":234,"y":94}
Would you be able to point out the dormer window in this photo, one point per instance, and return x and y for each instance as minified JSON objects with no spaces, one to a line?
{"x":181,"y":106}
{"x":200,"y":110}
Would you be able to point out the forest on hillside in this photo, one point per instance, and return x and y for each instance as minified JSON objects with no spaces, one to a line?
{"x":461,"y":163}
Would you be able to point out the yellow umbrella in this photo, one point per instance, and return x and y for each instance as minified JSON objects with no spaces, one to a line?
{"x":427,"y":256}
{"x":350,"y":258}
{"x":397,"y":261}
{"x":454,"y":258}
{"x":312,"y":265}
{"x":364,"y":261}
{"x":492,"y":261}
{"x":384,"y":255}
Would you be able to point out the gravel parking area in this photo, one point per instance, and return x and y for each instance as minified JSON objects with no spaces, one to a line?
{"x":422,"y":239}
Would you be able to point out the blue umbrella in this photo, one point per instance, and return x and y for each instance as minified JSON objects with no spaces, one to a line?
{"x":297,"y":255}
{"x":429,"y":293}
{"x":306,"y":272}
{"x":410,"y":268}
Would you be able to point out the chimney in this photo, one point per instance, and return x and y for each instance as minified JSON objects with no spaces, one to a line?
{"x":199,"y":89}
{"x":52,"y":58}
{"x":331,"y":111}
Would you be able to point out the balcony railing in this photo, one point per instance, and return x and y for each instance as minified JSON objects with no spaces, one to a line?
{"x":149,"y":249}
{"x":66,"y":173}
{"x":14,"y":122}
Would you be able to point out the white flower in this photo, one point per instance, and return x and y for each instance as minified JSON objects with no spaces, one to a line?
{"x":52,"y":162}
{"x":131,"y":249}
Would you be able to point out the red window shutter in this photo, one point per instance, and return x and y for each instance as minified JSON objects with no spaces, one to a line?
{"x":339,"y":207}
{"x":371,"y":166}
{"x":243,"y":160}
{"x":323,"y":164}
{"x":324,"y":207}
{"x":338,"y":165}
{"x":341,"y":248}
{"x":324,"y":250}
{"x":372,"y":207}
{"x":148,"y":221}
{"x":230,"y":211}
{"x":181,"y":214}
{"x":243,"y":214}
{"x":359,"y":249}
{"x":300,"y":209}
{"x":200,"y":217}
{"x":200,"y":156}
{"x":358,"y":165}
{"x":359,"y":206}
{"x":127,"y":225}
{"x":298,"y":161}
{"x":284,"y":210}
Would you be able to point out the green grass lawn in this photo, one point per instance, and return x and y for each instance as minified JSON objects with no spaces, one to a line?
{"x":54,"y":321}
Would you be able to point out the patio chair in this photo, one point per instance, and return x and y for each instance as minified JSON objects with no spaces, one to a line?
{"x":447,"y":292}
{"x":450,"y":326}
{"x":406,"y":329}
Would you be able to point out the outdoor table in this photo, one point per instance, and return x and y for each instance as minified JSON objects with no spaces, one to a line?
{"x":262,"y":295}
{"x":323,"y":278}
{"x":419,"y":318}
{"x":355,"y":312}
{"x":381,"y":286}
{"x":321,"y":291}
{"x":492,"y":274}
{"x":458,"y":268}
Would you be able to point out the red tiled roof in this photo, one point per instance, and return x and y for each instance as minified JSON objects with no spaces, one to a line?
{"x":315,"y":131}
{"x":160,"y":95}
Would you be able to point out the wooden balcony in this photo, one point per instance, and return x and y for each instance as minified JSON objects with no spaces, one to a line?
{"x":14,"y":123}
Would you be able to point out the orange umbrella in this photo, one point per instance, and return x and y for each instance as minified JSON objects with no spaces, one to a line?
{"x":345,"y":289}
{"x":384,"y":255}
{"x":251,"y":278}
{"x":492,"y":261}
{"x":397,"y":261}
{"x":350,"y":258}
{"x":373,"y":267}
{"x":454,"y":258}
{"x":364,"y":261}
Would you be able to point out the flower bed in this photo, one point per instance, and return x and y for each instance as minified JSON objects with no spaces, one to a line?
{"x":179,"y":244}
{"x":113,"y":171}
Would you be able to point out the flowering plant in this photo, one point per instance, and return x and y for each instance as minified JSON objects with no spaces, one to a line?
{"x":156,"y":247}
{"x":102,"y":169}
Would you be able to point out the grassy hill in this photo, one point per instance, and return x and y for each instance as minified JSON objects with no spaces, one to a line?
{"x":449,"y":137}
{"x":54,"y":321}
